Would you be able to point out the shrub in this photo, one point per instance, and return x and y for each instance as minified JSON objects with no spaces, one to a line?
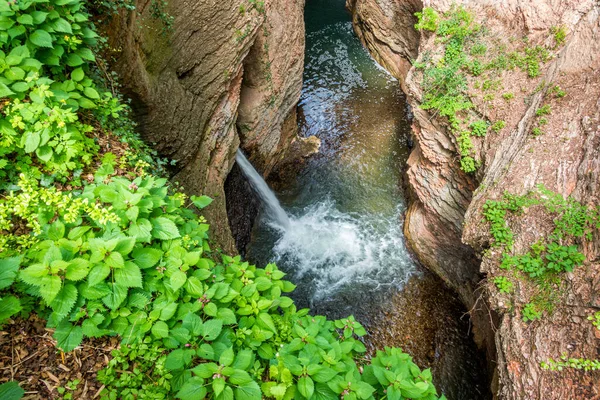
{"x":428,"y":19}
{"x":544,"y":110}
{"x":479,"y":128}
{"x":498,"y":126}
{"x":503,"y":284}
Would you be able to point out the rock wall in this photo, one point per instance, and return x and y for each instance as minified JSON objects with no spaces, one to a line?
{"x":444,"y":223}
{"x":228,"y":74}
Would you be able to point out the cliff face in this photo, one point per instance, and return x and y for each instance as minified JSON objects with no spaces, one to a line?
{"x":228,"y":74}
{"x":444,"y":223}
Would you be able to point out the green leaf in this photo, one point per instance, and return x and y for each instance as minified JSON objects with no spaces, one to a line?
{"x":192,"y":389}
{"x":227,"y":316}
{"x":78,"y":232}
{"x":86,"y":54}
{"x":212,"y":329}
{"x":49,"y":288}
{"x":61,"y":25}
{"x":324,"y":375}
{"x":227,"y":357}
{"x":20,"y":87}
{"x":206,"y":351}
{"x":218,"y":386}
{"x":56,"y":230}
{"x":39,"y":16}
{"x":267,"y":322}
{"x":44,"y":153}
{"x":192,"y":323}
{"x":211,"y":309}
{"x":11,"y":391}
{"x":91,"y":93}
{"x":98,"y":274}
{"x":125,"y":245}
{"x":86,"y":103}
{"x":160,"y":329}
{"x":73,"y":60}
{"x":206,"y":370}
{"x":243,"y":359}
{"x":8,"y":271}
{"x":30,"y":141}
{"x":146,"y":257}
{"x":364,"y":390}
{"x":263,"y":283}
{"x":41,"y":38}
{"x":248,"y":391}
{"x":177,"y":279}
{"x":9,"y":306}
{"x":115,"y":260}
{"x":77,"y":74}
{"x":141,"y":230}
{"x":176,"y":360}
{"x":116,"y":296}
{"x":15,"y":74}
{"x":306,"y":386}
{"x":201,"y":201}
{"x":164,"y":229}
{"x":68,"y":336}
{"x":194,"y":287}
{"x":5,"y":91}
{"x":65,"y":300}
{"x":129,"y":276}
{"x":25,"y":19}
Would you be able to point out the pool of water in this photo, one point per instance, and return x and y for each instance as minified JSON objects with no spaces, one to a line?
{"x":345,"y":245}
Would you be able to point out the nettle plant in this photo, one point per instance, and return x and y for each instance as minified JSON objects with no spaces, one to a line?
{"x":45,"y":56}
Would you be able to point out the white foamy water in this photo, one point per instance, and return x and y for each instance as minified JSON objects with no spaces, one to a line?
{"x":338,"y":249}
{"x":331,"y":247}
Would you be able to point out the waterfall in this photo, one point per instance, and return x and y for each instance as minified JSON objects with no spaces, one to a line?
{"x":277,"y":214}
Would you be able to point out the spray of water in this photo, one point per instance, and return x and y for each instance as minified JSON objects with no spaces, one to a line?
{"x":333,"y":249}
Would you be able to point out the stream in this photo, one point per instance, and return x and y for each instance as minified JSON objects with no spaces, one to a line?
{"x":336,"y":228}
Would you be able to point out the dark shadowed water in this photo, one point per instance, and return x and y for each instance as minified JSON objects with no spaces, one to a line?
{"x":342,"y":241}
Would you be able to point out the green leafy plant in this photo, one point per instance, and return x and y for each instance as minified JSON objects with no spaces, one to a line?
{"x":595,"y":318}
{"x":498,"y":125}
{"x":544,"y":110}
{"x":560,"y":33}
{"x":479,"y":128}
{"x":575,"y":363}
{"x":428,"y":19}
{"x":548,"y":258}
{"x":531,"y":312}
{"x":503,"y":284}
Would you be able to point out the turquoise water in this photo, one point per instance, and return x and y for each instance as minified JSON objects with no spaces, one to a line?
{"x":345,"y":248}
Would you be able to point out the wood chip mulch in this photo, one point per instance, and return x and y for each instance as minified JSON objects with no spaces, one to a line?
{"x":28,"y":355}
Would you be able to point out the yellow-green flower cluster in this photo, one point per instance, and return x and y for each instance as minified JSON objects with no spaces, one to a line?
{"x":28,"y":203}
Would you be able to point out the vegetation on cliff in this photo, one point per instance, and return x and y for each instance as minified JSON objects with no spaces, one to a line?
{"x":97,"y":243}
{"x":470,"y":63}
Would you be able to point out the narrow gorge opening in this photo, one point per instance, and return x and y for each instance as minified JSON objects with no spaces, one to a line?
{"x":343,"y":246}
